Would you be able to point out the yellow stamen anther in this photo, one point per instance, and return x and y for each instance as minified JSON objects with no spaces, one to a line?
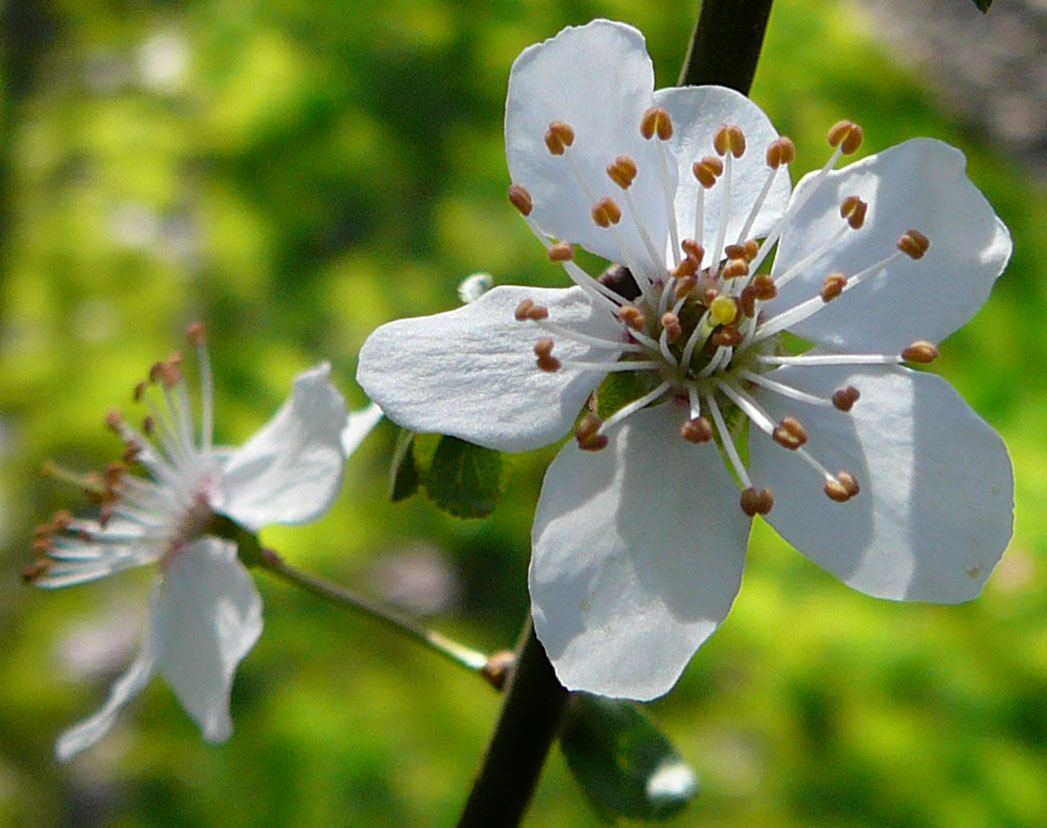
{"x":729,"y":139}
{"x":697,"y":430}
{"x":656,"y":121}
{"x":671,"y":326}
{"x":914,"y":244}
{"x":520,"y":199}
{"x":707,"y":170}
{"x":559,"y":137}
{"x":847,"y":135}
{"x":561,"y":252}
{"x":723,"y":310}
{"x":920,"y":351}
{"x":833,"y":286}
{"x":854,"y":209}
{"x":845,"y":398}
{"x":756,"y":501}
{"x":622,"y":171}
{"x":606,"y":212}
{"x":196,"y":333}
{"x":781,"y":151}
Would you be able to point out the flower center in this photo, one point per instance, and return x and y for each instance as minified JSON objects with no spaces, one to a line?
{"x":691,"y":324}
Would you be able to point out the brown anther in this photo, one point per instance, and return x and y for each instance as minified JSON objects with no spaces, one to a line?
{"x":849,"y":483}
{"x":748,"y":301}
{"x":520,"y":199}
{"x":496,"y":670}
{"x":606,"y":212}
{"x":61,"y":520}
{"x":693,"y":250}
{"x":114,"y":420}
{"x":697,"y":430}
{"x":735,"y":251}
{"x":764,"y":287}
{"x":114,"y":475}
{"x":196,"y":333}
{"x":37,"y":569}
{"x":561,"y":252}
{"x":707,"y":170}
{"x":842,"y":487}
{"x":845,"y":398}
{"x":559,"y":137}
{"x":790,"y":434}
{"x":139,"y":391}
{"x":131,"y":453}
{"x":148,"y":425}
{"x":727,"y":336}
{"x":847,"y":135}
{"x":656,"y":121}
{"x":106,"y":515}
{"x":913,"y":244}
{"x":709,"y":289}
{"x":920,"y":351}
{"x":169,"y":372}
{"x":688,"y":266}
{"x":833,"y":286}
{"x":729,"y":139}
{"x":522,"y":310}
{"x":685,"y":285}
{"x":42,"y":544}
{"x":543,"y":349}
{"x":752,"y":247}
{"x":756,"y":501}
{"x":633,"y":317}
{"x":622,"y":171}
{"x":587,"y":434}
{"x":781,"y":151}
{"x":671,"y":326}
{"x":854,"y":209}
{"x":734,"y":269}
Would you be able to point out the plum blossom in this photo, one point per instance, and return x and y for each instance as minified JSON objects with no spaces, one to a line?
{"x":717,"y":382}
{"x":204,"y":611}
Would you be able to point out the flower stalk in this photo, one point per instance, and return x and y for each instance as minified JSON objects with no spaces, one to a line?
{"x":725,"y":46}
{"x":472,"y":660}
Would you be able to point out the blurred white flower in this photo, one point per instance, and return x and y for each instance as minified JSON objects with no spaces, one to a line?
{"x":205,"y":613}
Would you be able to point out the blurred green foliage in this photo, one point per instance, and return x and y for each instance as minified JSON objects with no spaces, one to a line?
{"x":295,"y":173}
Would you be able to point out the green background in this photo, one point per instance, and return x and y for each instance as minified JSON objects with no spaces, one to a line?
{"x":320,"y":168}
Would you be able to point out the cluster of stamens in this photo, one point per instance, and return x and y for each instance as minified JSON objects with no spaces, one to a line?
{"x":694,"y":322}
{"x":164,"y":511}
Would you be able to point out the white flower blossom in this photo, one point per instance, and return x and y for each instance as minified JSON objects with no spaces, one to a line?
{"x":204,"y":613}
{"x":879,"y":473}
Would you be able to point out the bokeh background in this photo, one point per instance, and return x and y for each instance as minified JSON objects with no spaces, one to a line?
{"x":295,"y":172}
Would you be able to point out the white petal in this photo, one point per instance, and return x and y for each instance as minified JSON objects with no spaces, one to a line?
{"x":638,"y":554}
{"x":205,"y":616}
{"x":471,"y":372}
{"x":935,"y":510}
{"x":290,"y":471}
{"x":599,"y":80}
{"x":697,"y":112}
{"x":360,"y":424}
{"x":93,"y":728}
{"x":920,"y":184}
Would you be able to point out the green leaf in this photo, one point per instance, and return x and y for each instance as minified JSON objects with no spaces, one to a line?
{"x":404,"y":475}
{"x":983,"y":5}
{"x":618,"y":389}
{"x":625,"y":765}
{"x":463,"y":479}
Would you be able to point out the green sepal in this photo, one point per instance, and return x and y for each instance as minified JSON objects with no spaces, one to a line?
{"x":463,"y":479}
{"x":404,"y":476}
{"x":618,"y":389}
{"x":625,"y":765}
{"x":248,"y":549}
{"x":983,"y":5}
